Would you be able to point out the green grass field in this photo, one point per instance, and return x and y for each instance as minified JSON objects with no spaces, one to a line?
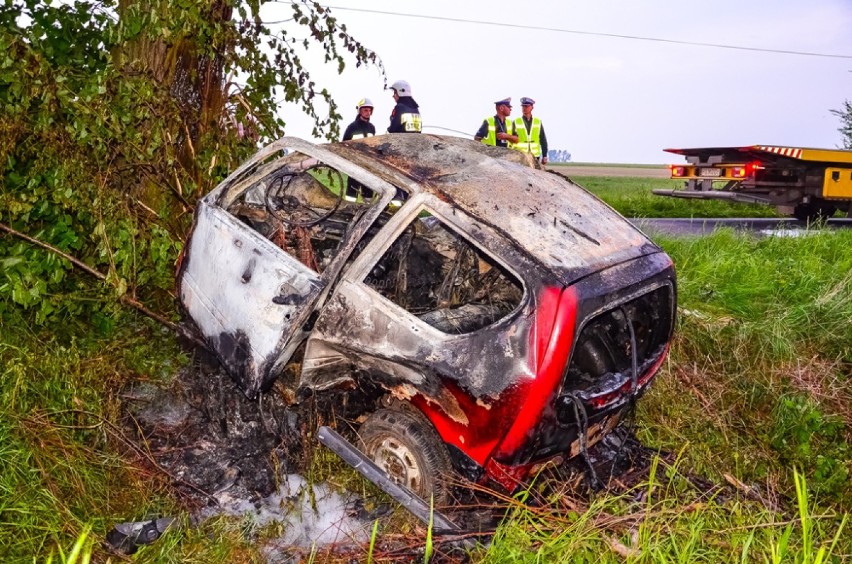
{"x":754,"y":399}
{"x":632,"y":197}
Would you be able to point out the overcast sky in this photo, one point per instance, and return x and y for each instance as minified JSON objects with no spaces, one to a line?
{"x":605,"y":98}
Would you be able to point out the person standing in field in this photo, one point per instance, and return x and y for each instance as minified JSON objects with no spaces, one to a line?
{"x":405,"y":117}
{"x":531,"y":137}
{"x":359,"y":129}
{"x":498,"y":130}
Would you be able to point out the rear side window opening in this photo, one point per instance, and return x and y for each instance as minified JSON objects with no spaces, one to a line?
{"x":444,"y":279}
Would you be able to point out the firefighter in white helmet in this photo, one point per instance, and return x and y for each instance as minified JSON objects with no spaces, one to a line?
{"x":405,"y":117}
{"x":359,"y":129}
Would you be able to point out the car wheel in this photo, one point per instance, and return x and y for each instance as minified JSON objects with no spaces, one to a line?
{"x":406,"y":446}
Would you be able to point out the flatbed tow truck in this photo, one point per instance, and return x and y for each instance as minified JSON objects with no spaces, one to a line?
{"x":805,"y":183}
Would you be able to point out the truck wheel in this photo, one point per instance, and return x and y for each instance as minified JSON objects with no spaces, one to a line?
{"x":813,"y":211}
{"x":827,"y":210}
{"x":406,"y":446}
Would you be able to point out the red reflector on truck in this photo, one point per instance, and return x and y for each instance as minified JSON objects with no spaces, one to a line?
{"x":746,"y":170}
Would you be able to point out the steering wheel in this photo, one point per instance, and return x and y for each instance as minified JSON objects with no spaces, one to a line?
{"x":283,"y":201}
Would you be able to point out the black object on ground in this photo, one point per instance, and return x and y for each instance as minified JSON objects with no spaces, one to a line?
{"x":128,"y":537}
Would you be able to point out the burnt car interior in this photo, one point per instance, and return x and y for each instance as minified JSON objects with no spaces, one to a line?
{"x":444,"y":279}
{"x":623,"y":341}
{"x":430,"y":270}
{"x":300,"y":207}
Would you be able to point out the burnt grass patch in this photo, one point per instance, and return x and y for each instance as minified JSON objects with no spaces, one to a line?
{"x":209,"y":439}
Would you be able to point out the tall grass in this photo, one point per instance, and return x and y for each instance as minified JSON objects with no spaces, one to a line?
{"x":80,"y":553}
{"x":665,"y":519}
{"x":778,"y":297}
{"x":762,"y":362}
{"x":63,"y":462}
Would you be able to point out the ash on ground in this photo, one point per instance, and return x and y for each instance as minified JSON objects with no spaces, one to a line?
{"x":210,"y":438}
{"x":227,"y":455}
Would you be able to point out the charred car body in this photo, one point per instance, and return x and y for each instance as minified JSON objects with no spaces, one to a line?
{"x":508,"y":315}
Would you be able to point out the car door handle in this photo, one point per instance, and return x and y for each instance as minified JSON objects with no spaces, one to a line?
{"x":287,"y":295}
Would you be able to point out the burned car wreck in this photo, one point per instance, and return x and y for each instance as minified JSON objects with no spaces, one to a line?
{"x":505,"y":316}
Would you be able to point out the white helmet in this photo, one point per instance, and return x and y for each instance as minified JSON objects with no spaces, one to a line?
{"x":364,"y":103}
{"x":402,"y":88}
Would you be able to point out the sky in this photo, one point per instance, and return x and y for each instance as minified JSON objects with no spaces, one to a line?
{"x":600,"y":97}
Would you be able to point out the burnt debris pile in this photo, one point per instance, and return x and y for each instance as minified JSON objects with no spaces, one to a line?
{"x":209,"y":438}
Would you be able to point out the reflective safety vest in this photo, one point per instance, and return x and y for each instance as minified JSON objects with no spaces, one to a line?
{"x":491,"y":138}
{"x":411,"y":122}
{"x":528,"y":141}
{"x":361,"y":135}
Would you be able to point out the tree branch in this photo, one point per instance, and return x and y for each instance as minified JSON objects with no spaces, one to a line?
{"x":53,"y":249}
{"x":124,"y":299}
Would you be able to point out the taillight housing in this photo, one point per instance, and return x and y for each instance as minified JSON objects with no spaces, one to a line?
{"x":678,"y":171}
{"x":746,"y":170}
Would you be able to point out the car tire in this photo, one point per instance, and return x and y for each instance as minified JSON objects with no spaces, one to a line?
{"x":404,"y":444}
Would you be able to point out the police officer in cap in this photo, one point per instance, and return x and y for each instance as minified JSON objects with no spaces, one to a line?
{"x":531,"y":137}
{"x":359,"y":129}
{"x":497,"y":130}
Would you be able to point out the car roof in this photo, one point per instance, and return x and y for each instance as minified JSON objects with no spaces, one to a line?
{"x":545,"y":214}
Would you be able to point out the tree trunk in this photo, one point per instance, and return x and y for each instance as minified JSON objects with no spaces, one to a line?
{"x":186,"y":63}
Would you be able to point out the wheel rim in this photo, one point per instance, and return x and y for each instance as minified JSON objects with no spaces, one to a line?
{"x":399,"y":462}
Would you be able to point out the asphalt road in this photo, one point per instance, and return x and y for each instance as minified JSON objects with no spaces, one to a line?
{"x":762,"y":226}
{"x":691,"y":226}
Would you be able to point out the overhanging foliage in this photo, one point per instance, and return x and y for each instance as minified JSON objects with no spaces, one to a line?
{"x":115,"y":116}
